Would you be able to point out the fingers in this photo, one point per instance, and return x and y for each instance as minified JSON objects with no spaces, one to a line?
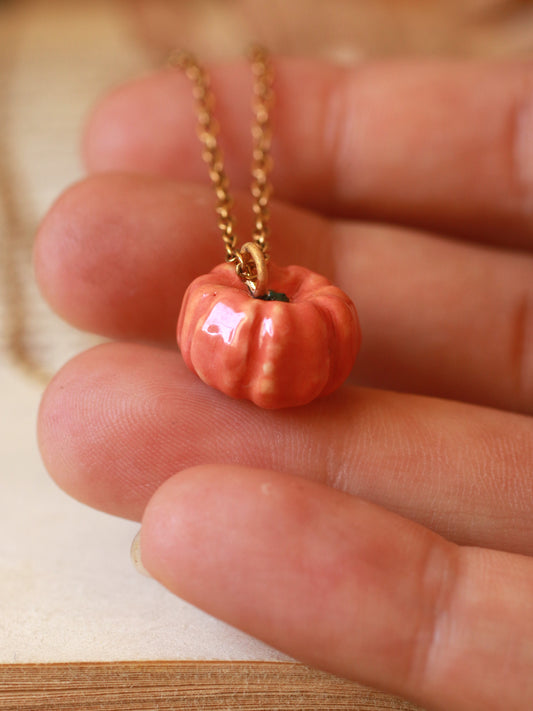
{"x":120,"y":419}
{"x":347,"y":586}
{"x":116,"y":253}
{"x":439,"y":145}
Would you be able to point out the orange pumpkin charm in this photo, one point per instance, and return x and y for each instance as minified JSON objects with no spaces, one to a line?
{"x":278,"y":348}
{"x":285,"y":349}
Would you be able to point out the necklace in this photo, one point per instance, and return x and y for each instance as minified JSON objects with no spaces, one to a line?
{"x":278,"y":336}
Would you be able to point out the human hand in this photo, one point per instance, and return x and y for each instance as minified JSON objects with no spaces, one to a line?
{"x":381,"y":533}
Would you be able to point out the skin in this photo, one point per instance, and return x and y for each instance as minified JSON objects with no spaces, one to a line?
{"x":384,"y":533}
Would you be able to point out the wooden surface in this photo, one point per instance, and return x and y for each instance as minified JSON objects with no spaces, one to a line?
{"x":167,"y":686}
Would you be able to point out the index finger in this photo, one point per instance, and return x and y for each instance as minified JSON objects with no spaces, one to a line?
{"x":440,"y":145}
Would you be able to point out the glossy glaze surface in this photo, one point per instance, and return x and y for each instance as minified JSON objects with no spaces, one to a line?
{"x":274,"y":353}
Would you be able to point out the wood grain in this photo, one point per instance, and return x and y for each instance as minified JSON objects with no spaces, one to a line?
{"x":165,"y":686}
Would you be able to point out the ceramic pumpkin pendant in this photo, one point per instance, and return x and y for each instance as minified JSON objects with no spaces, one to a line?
{"x":277,"y":353}
{"x":278,"y":336}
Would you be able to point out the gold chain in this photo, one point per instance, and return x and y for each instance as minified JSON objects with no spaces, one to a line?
{"x":261,"y":159}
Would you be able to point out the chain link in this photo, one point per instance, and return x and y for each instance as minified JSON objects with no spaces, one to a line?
{"x":262,"y":138}
{"x":208,"y":130}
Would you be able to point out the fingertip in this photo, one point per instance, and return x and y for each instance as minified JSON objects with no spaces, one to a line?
{"x":74,"y":250}
{"x":179,"y":516}
{"x":54,"y":424}
{"x":211,"y":534}
{"x":134,"y":127}
{"x":100,"y":137}
{"x":108,"y":126}
{"x":50,"y":248}
{"x":98,"y":262}
{"x":74,"y":421}
{"x":62,"y":422}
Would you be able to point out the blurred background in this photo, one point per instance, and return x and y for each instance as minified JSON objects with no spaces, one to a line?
{"x":58,"y":56}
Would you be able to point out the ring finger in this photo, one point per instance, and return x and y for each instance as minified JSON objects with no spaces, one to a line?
{"x":120,"y":419}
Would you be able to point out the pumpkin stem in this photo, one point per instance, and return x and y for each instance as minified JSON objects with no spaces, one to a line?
{"x":272,"y":295}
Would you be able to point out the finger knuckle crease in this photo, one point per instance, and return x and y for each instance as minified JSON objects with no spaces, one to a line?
{"x":521,"y":349}
{"x":517,"y":146}
{"x":439,"y":574}
{"x":337,"y":130}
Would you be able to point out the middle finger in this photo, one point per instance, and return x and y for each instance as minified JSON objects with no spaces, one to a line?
{"x":116,"y":253}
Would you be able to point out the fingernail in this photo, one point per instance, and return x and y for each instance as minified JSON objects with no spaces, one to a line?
{"x":135,"y":553}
